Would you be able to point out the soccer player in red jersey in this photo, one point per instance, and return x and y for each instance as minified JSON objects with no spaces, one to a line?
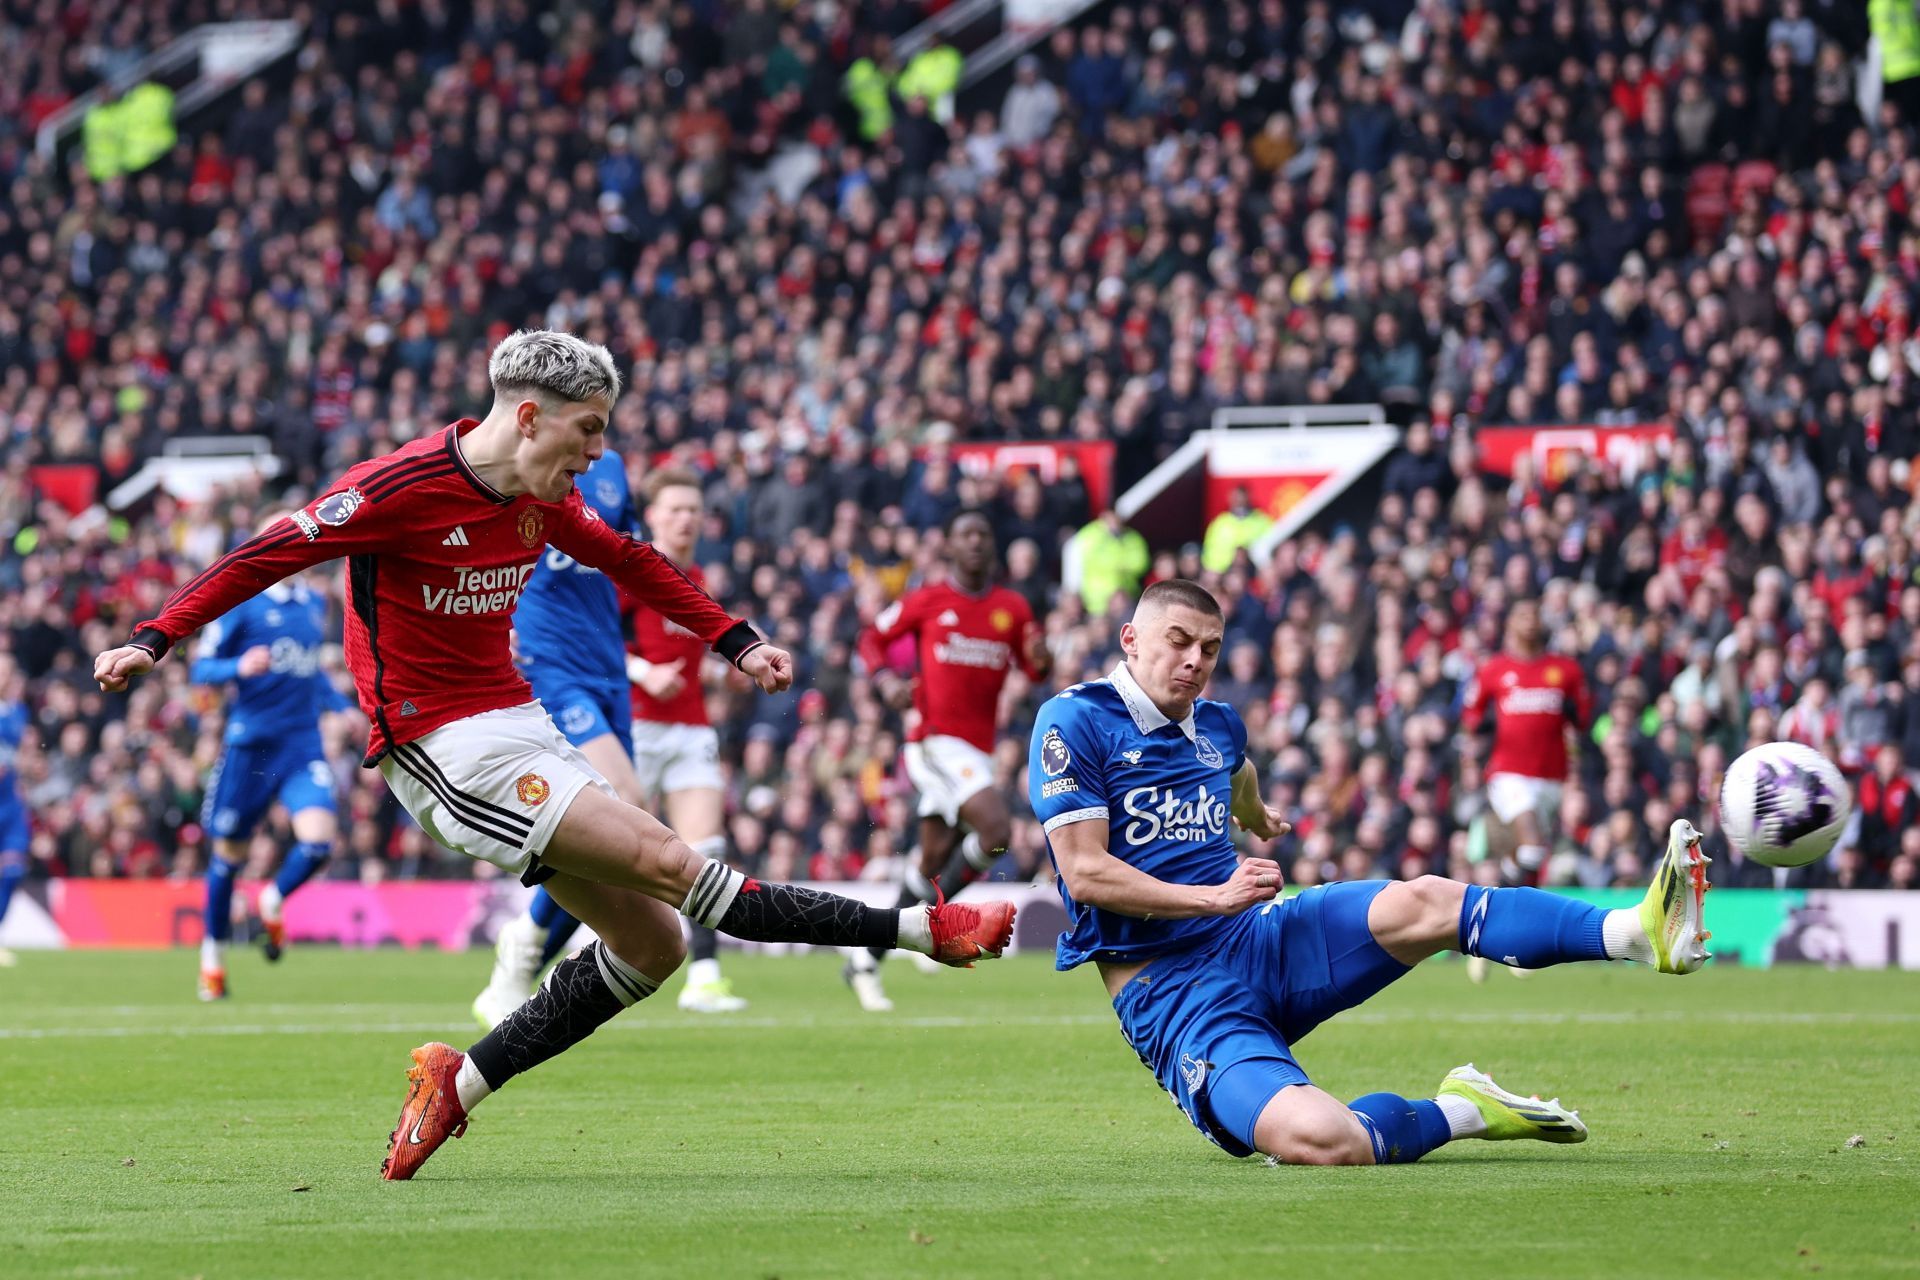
{"x":1535,"y":697}
{"x":440,"y":536}
{"x":676,"y":753}
{"x":968,"y":633}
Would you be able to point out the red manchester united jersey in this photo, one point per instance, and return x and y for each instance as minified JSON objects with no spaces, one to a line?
{"x":1532,"y":701}
{"x":658,"y":638}
{"x":967,"y":644}
{"x":436,"y":560}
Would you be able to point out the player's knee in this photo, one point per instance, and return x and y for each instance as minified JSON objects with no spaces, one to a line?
{"x":1436,"y":899}
{"x":653,"y":951}
{"x":995,"y":833}
{"x":1322,"y":1141}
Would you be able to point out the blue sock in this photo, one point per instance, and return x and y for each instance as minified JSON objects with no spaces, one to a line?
{"x":303,"y":862}
{"x":11,"y":874}
{"x":1402,"y":1129}
{"x":552,"y":917}
{"x":220,"y":875}
{"x":1530,"y":928}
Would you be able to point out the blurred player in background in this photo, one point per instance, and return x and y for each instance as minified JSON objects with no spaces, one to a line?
{"x":16,"y":832}
{"x":676,"y":752}
{"x":968,"y":634}
{"x":568,"y":634}
{"x":1535,"y":700}
{"x":268,"y":647}
{"x":1134,"y":779}
{"x":568,"y":643}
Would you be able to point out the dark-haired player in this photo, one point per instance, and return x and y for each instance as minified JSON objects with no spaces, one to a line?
{"x":968,"y":633}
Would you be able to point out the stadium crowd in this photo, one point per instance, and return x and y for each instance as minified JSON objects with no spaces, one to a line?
{"x":1496,"y":211}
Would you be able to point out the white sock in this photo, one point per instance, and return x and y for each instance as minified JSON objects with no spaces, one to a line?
{"x":1623,"y":937}
{"x":861,"y":960}
{"x":702,"y":972}
{"x":1463,"y":1118}
{"x":916,"y":929}
{"x":470,"y":1085}
{"x":270,"y":901}
{"x":211,"y":956}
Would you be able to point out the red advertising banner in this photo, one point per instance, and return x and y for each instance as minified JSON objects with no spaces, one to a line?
{"x":1628,"y":449}
{"x":1043,"y":458}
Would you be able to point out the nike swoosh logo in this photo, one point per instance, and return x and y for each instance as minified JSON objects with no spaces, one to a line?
{"x":414,"y":1137}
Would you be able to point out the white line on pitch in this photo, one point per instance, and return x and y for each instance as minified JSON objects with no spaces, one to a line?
{"x":1361,"y":1017}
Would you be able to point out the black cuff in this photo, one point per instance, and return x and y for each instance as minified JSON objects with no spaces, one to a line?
{"x":153,"y":640}
{"x":737,"y":641}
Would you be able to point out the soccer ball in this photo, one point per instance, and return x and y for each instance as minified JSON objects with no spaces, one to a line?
{"x":1784,"y":804}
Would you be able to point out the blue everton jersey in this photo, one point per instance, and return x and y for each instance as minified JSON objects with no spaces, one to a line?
{"x":14,"y":724}
{"x":1104,"y":751}
{"x":291,"y":623}
{"x":568,"y":624}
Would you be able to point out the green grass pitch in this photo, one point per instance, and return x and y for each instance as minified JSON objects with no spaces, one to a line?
{"x":995,"y":1125}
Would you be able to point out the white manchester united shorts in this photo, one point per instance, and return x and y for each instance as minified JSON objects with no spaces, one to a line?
{"x":1511,"y":794}
{"x":492,"y":786}
{"x":675,"y":757}
{"x":947,"y":772}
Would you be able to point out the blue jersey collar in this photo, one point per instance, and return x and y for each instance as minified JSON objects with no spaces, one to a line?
{"x":1146,"y":716}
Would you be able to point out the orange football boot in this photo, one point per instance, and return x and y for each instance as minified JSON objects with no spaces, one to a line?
{"x":432,"y":1113}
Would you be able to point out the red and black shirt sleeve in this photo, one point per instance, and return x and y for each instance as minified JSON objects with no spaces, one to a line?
{"x":348,"y":519}
{"x":645,"y":577}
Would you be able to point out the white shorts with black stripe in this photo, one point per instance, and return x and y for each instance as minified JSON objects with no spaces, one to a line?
{"x":492,"y":786}
{"x":947,"y":772}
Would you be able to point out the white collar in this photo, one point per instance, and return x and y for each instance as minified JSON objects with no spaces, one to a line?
{"x":1146,"y":716}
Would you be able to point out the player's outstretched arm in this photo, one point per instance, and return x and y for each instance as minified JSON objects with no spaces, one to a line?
{"x":649,"y":578}
{"x":1096,"y":878}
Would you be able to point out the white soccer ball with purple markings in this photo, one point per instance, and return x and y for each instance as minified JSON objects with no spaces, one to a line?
{"x":1784,"y":804}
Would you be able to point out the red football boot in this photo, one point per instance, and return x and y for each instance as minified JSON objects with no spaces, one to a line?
{"x":965,"y":932}
{"x":432,"y":1113}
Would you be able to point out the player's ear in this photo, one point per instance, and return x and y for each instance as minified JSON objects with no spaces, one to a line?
{"x":526,"y":414}
{"x":1129,"y":639}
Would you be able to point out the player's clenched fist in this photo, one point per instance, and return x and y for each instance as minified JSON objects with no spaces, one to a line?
{"x":1254,"y":881}
{"x":768,"y":667}
{"x":112,"y":669}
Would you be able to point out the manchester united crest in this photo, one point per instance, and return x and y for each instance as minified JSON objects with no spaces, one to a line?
{"x":1553,"y":675}
{"x":1002,"y":621}
{"x":533,"y":527}
{"x":532,"y":790}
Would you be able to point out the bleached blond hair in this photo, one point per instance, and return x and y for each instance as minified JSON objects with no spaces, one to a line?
{"x":554,"y":363}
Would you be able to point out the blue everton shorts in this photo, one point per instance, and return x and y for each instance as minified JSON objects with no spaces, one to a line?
{"x":584,"y":709}
{"x":1216,"y":1024}
{"x":250,"y":777}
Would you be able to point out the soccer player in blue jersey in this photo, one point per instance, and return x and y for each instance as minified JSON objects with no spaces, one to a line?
{"x":1214,"y":978}
{"x":570,"y":640}
{"x":269,"y":648}
{"x":15,"y":832}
